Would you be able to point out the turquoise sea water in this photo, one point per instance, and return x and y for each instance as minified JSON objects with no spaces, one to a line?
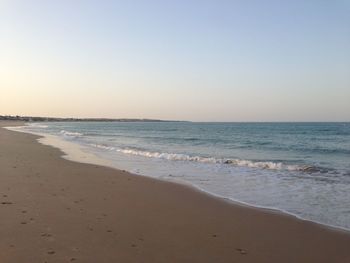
{"x":300,"y":168}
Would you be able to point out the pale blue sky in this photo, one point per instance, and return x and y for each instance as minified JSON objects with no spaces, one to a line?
{"x":188,"y":60}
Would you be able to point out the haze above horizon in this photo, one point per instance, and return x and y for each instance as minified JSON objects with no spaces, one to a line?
{"x":176,"y":60}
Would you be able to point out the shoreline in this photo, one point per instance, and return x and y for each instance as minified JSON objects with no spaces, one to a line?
{"x":192,"y":225}
{"x":74,"y":152}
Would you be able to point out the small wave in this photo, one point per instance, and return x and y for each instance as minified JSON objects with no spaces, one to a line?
{"x":101,"y":146}
{"x":235,"y":162}
{"x":169,"y":156}
{"x":72,"y":134}
{"x":264,"y":165}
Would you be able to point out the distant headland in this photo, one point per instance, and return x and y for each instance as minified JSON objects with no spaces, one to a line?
{"x":35,"y":119}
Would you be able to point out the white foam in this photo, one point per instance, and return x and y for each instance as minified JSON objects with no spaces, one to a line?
{"x":36,"y":125}
{"x":100,"y":146}
{"x":185,"y":157}
{"x":72,"y":134}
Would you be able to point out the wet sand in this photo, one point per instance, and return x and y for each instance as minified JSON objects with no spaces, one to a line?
{"x":55,"y":210}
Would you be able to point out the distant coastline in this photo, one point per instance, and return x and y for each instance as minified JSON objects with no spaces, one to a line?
{"x":57,"y":119}
{"x":54,"y":119}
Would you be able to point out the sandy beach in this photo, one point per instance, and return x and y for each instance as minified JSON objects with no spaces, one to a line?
{"x":55,"y":210}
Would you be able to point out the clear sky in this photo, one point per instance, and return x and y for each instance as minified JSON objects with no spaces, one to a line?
{"x":188,"y":60}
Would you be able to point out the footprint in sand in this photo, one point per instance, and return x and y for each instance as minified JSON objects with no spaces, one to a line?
{"x":51,"y":252}
{"x":6,"y":203}
{"x":241,"y":251}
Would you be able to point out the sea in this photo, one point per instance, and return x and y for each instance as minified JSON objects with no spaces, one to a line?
{"x":298,"y":168}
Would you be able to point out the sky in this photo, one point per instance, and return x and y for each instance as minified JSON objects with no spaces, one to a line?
{"x":177,"y":60}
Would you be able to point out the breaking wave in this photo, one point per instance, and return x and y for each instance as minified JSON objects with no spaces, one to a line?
{"x":72,"y":134}
{"x":234,"y":162}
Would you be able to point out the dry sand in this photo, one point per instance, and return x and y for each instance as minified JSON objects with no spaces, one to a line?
{"x":54,"y":210}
